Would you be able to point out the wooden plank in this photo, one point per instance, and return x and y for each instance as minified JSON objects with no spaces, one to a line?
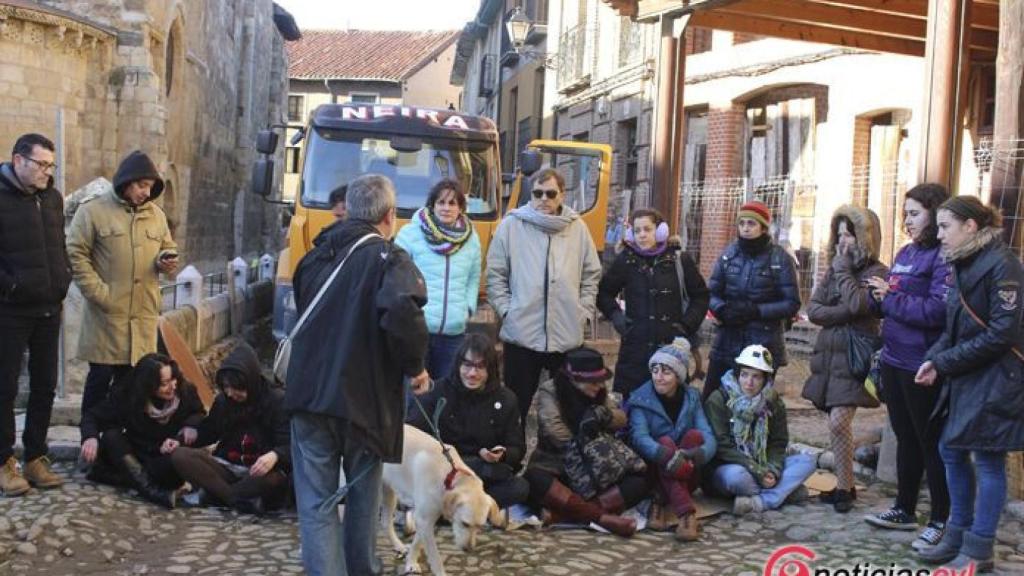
{"x":831,"y":15}
{"x":1008,"y":169}
{"x":178,"y":349}
{"x":808,"y":33}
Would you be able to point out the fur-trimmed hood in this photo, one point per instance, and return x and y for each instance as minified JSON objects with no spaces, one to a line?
{"x":974,"y":244}
{"x":866,"y":228}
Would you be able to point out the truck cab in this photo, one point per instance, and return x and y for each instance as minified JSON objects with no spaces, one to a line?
{"x":415,"y":148}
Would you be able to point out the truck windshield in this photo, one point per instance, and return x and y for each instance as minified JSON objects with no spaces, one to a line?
{"x":335,"y":157}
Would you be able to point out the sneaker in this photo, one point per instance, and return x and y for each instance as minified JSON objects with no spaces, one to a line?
{"x":39,"y":474}
{"x":930,"y":536}
{"x":747,"y":504}
{"x":12,"y":483}
{"x":893,"y":519}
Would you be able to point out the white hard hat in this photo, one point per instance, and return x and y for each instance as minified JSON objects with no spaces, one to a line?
{"x":757,"y":357}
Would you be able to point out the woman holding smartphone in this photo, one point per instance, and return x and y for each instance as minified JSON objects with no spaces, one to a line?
{"x":480,"y":418}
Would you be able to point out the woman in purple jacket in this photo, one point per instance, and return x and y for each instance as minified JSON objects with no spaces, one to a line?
{"x":913,"y":303}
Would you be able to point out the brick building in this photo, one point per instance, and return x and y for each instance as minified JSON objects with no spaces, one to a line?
{"x":187,"y":81}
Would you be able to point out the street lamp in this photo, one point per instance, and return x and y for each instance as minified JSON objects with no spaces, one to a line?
{"x":519,"y":27}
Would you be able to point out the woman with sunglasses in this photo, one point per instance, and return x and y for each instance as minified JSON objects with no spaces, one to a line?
{"x":542,"y":276}
{"x":480,"y":419}
{"x":443,"y":245}
{"x":664,"y":294}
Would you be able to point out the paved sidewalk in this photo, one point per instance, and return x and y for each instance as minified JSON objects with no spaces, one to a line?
{"x":86,"y":529}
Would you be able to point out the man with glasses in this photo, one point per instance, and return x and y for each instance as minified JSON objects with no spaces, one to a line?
{"x":34,"y":278}
{"x":542,"y":276}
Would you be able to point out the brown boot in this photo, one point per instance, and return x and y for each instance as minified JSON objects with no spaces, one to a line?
{"x":687,"y":530}
{"x":562,"y":500}
{"x":12,"y":483}
{"x":611,"y":501}
{"x":38,"y":474}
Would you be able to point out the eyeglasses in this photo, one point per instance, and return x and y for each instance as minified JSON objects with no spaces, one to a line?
{"x":470,"y":365}
{"x":44,"y":166}
{"x":661,"y":368}
{"x":551,"y":194}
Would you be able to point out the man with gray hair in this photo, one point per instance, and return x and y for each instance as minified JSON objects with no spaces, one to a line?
{"x":345,"y":378}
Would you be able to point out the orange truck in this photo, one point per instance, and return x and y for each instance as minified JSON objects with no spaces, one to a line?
{"x":415,"y":148}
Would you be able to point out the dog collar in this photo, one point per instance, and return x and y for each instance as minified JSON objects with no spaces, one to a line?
{"x":449,"y":480}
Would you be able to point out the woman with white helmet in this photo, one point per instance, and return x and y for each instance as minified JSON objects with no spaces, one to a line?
{"x":749,"y":420}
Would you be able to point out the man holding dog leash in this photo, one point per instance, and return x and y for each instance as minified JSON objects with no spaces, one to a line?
{"x":345,"y":378}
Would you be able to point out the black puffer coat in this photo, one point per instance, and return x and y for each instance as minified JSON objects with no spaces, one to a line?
{"x":475,"y":419}
{"x":766,"y":277}
{"x":650,"y":287}
{"x":982,"y":378}
{"x":34,"y":268}
{"x":366,"y":333}
{"x":247,"y":431}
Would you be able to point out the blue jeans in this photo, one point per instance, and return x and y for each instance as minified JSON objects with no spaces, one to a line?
{"x":330,"y":547}
{"x":736,"y":480}
{"x":441,"y":351}
{"x":975,"y":505}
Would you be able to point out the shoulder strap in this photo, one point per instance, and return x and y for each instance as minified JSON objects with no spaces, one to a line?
{"x":980,"y":322}
{"x":330,"y":279}
{"x":683,"y":295}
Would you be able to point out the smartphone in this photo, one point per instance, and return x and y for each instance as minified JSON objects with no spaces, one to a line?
{"x":498,"y":449}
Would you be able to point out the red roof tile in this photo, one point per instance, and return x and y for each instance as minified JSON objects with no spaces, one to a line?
{"x":363,"y":54}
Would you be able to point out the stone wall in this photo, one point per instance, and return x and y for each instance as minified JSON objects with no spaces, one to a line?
{"x":188,"y":81}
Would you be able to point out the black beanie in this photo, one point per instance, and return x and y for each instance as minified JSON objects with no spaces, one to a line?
{"x":138,"y":166}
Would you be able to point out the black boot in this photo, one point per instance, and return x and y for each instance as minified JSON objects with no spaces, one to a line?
{"x":141,"y":481}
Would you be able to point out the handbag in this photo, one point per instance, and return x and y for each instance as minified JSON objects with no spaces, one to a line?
{"x":860,"y":352}
{"x":284,"y":348}
{"x":596,"y":464}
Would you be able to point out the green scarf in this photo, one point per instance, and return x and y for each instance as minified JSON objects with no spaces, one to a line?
{"x":749,"y":423}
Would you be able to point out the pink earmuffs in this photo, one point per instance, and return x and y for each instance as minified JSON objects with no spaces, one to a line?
{"x":660,"y":234}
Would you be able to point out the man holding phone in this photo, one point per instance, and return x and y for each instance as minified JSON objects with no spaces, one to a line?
{"x":119,"y":243}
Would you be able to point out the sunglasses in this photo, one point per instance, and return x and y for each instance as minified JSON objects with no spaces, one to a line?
{"x":551,"y":194}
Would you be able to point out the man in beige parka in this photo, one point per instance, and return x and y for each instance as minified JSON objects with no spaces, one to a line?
{"x":118,"y":244}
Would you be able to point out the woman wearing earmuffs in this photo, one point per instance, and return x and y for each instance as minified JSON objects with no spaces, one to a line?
{"x":647,"y":274}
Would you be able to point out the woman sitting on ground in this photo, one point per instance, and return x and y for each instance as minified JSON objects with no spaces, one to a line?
{"x":480,"y":419}
{"x":576,"y":403}
{"x":249,"y":469}
{"x":129,"y":437}
{"x":668,"y":428}
{"x":749,"y":420}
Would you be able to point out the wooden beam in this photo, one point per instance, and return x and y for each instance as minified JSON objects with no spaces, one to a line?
{"x":831,"y":16}
{"x":808,"y":33}
{"x":1008,"y":161}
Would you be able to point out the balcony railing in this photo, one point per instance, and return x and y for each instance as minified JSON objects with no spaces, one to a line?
{"x":576,"y":56}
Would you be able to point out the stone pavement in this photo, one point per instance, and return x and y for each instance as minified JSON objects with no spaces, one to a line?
{"x":85,"y":529}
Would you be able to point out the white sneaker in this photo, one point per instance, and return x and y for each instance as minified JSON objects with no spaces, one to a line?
{"x":930,"y":536}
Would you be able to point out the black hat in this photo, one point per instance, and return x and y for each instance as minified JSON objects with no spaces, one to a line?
{"x":586,"y":365}
{"x":138,"y":166}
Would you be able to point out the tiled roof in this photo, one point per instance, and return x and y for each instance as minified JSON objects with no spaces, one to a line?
{"x":363,"y":54}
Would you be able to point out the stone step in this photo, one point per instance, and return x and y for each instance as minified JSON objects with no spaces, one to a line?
{"x":64,"y":441}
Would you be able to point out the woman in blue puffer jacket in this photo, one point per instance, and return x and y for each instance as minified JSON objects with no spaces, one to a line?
{"x":442,"y":243}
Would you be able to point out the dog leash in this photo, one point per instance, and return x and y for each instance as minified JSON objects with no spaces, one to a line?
{"x":433,"y":422}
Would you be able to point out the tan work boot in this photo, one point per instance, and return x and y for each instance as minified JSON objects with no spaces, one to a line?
{"x":687,"y":530}
{"x":38,"y":474}
{"x":12,"y":483}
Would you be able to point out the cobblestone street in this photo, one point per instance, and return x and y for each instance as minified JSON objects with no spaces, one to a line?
{"x":88,"y":529}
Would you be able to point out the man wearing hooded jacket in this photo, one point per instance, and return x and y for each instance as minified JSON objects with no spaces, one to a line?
{"x":119,"y":243}
{"x":34,"y":278}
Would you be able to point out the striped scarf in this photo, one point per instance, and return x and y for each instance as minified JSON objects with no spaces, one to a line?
{"x":749,"y":418}
{"x":443,"y":239}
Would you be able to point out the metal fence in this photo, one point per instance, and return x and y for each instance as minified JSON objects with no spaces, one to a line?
{"x":214,"y":283}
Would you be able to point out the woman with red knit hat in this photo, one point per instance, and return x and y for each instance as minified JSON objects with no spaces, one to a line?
{"x":754,"y":291}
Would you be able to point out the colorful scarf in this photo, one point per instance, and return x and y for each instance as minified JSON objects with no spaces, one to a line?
{"x":162,"y":415}
{"x":443,"y":239}
{"x":749,"y":420}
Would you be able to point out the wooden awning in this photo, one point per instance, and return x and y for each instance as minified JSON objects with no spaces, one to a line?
{"x":895,"y":26}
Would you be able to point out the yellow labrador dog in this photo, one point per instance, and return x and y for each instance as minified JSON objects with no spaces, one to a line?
{"x":424,"y":481}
